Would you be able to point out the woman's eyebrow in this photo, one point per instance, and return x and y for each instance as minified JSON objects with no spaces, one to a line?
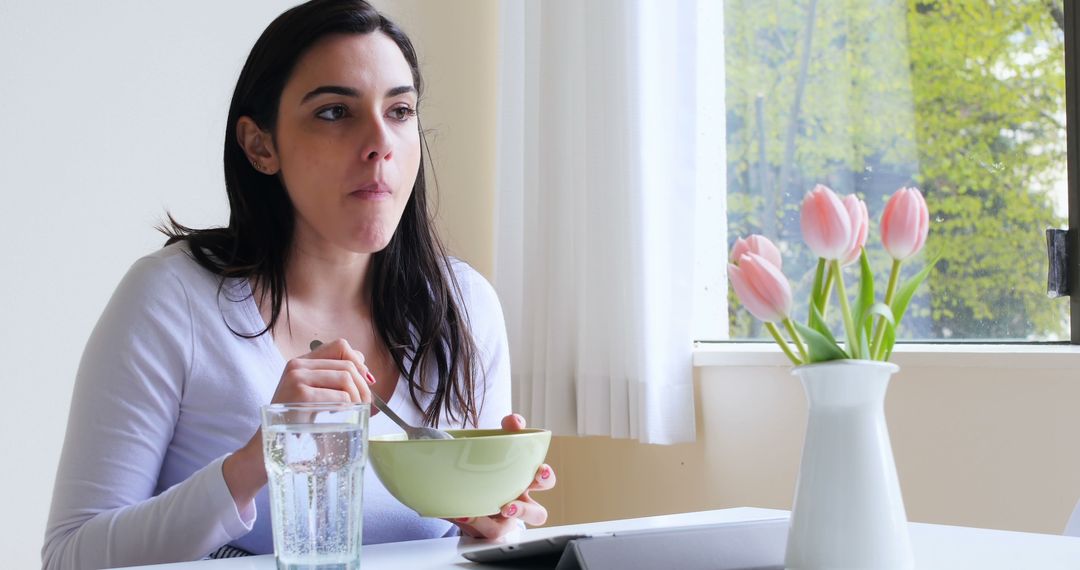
{"x":350,"y":92}
{"x":401,"y":91}
{"x":335,"y":89}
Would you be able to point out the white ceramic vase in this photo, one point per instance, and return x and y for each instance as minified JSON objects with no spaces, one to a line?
{"x":848,"y":512}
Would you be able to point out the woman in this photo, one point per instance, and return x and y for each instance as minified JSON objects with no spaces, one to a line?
{"x":329,"y":238}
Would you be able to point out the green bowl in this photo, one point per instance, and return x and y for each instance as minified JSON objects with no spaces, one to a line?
{"x":472,"y":475}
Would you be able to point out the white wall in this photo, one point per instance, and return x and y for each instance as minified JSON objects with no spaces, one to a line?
{"x":111,"y":114}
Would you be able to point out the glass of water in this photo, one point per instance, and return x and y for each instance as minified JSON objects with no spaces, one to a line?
{"x":315,"y":456}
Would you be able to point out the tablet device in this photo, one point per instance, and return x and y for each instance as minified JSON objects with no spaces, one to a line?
{"x":740,"y":545}
{"x":543,"y":551}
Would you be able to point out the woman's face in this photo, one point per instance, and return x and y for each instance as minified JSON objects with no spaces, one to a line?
{"x":348,"y":141}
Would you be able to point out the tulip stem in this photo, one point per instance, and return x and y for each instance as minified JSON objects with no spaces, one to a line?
{"x":823,"y":287}
{"x":825,"y":298}
{"x":819,"y":287}
{"x":876,"y":349}
{"x":851,"y":341}
{"x":798,"y":341}
{"x":783,"y":343}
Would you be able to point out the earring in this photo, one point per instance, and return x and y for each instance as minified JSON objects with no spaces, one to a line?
{"x":256,"y":166}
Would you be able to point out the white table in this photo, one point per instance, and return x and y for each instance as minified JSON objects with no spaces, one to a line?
{"x":937,"y":547}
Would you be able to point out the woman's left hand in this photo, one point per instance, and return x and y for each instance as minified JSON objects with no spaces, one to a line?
{"x":524,"y":508}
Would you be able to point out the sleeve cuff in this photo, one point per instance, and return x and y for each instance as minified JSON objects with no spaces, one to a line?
{"x":235,"y":522}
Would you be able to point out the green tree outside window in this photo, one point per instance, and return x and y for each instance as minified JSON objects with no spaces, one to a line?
{"x":964,"y":99}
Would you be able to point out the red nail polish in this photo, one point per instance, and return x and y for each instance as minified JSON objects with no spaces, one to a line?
{"x":370,"y":378}
{"x":511,"y":510}
{"x":545,"y":473}
{"x":462,"y":520}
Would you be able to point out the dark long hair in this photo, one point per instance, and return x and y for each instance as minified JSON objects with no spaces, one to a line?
{"x":414,"y":292}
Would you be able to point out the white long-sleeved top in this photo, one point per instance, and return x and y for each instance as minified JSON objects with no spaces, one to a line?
{"x":165,"y":391}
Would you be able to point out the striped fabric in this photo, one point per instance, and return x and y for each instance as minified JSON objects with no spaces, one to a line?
{"x":228,"y":551}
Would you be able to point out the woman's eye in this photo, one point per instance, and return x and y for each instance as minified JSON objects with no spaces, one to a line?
{"x":403,"y":113}
{"x":331,"y":113}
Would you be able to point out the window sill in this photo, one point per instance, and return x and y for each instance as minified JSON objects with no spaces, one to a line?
{"x":1031,"y":356}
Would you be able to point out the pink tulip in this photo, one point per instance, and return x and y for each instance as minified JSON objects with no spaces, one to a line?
{"x":826,"y":224}
{"x":905,"y":223}
{"x":860,"y":225}
{"x":761,"y":287}
{"x":760,"y":245}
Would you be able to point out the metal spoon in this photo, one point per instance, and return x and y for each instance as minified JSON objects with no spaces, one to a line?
{"x":412,"y":432}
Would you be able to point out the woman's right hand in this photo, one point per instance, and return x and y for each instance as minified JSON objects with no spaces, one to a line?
{"x":333,"y":372}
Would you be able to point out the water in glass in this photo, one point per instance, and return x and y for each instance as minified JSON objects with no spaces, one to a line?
{"x":316,"y":473}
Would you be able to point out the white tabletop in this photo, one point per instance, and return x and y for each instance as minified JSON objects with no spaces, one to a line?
{"x":937,"y":547}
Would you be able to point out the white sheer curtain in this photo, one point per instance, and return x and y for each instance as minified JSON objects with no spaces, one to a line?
{"x":604,"y":148}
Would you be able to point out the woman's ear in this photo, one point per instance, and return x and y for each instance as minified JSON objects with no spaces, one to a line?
{"x":258,"y":145}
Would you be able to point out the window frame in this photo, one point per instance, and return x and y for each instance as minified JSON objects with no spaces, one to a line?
{"x":1072,"y":142}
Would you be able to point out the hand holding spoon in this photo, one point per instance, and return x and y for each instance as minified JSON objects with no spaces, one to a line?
{"x":412,"y":432}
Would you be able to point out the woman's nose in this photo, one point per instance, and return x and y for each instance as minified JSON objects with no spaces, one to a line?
{"x":376,"y":145}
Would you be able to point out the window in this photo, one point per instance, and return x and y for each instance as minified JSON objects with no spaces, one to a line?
{"x":963,"y":99}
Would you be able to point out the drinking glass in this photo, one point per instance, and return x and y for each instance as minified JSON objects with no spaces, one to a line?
{"x":315,"y":456}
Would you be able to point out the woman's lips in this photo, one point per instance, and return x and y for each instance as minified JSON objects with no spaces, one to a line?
{"x":373,"y":191}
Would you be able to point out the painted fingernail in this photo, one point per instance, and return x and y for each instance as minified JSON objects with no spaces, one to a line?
{"x":545,"y":473}
{"x":510,"y":511}
{"x":370,"y":378}
{"x":462,"y":520}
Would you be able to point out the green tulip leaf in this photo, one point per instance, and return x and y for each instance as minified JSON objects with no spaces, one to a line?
{"x":818,"y":346}
{"x":864,"y":302}
{"x":907,"y":291}
{"x":864,"y":345}
{"x":889,"y":336}
{"x":820,"y":326}
{"x":888,"y":340}
{"x":882,"y":310}
{"x":902,"y":299}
